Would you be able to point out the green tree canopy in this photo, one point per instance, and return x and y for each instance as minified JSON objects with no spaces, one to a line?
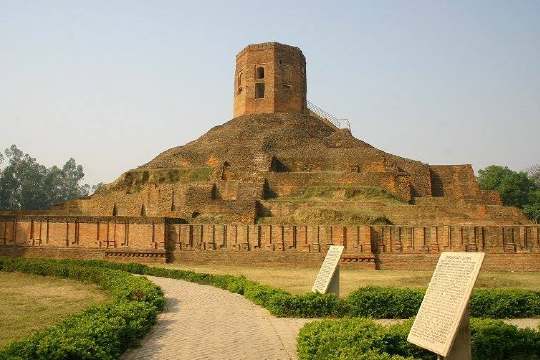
{"x":519,"y":189}
{"x":27,"y":185}
{"x":513,"y":186}
{"x":534,"y":174}
{"x":532,"y":209}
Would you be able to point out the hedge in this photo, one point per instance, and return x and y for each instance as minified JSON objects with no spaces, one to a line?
{"x":364,"y":339}
{"x":375,"y":302}
{"x":100,"y":332}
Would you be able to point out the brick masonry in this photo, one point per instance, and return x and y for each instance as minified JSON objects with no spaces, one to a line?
{"x":508,"y":248}
{"x":269,"y":78}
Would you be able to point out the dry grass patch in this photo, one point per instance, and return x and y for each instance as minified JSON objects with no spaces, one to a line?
{"x":29,"y":302}
{"x":300,"y":280}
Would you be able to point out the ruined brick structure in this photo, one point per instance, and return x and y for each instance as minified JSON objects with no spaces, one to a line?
{"x":269,"y":186}
{"x":508,"y":248}
{"x":270,"y":78}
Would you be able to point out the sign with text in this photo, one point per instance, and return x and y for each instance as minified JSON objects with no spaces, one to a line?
{"x":446,"y":301}
{"x":328,"y":269}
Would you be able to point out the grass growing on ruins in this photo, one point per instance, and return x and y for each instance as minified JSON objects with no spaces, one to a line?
{"x":324,"y":215}
{"x":31,"y":302}
{"x":300,"y":280}
{"x":344,"y":193}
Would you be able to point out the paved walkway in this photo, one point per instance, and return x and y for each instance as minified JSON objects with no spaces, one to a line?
{"x":204,"y":322}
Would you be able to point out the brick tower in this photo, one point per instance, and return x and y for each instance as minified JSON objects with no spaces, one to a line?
{"x":269,"y":77}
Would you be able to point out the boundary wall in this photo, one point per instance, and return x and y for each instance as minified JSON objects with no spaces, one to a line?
{"x":145,"y":239}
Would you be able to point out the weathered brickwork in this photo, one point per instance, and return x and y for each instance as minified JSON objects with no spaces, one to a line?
{"x":276,"y":164}
{"x":118,"y":238}
{"x":269,"y":78}
{"x":158,"y":239}
{"x":275,"y":148}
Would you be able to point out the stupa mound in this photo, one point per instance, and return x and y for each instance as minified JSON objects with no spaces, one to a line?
{"x":281,"y":161}
{"x":279,"y":184}
{"x":294,"y":168}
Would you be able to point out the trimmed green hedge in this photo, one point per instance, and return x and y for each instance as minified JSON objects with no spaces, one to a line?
{"x":364,"y":339}
{"x":100,"y":332}
{"x":396,"y":303}
{"x":375,"y":302}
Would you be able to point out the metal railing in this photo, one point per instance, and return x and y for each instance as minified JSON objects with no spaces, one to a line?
{"x":339,"y":123}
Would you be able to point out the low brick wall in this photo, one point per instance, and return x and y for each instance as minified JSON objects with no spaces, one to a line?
{"x":492,"y":262}
{"x":508,"y":248}
{"x":52,"y":252}
{"x":115,"y":238}
{"x":263,"y":258}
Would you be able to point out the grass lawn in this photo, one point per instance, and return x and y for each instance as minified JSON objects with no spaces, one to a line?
{"x":30,"y":302}
{"x":300,"y":280}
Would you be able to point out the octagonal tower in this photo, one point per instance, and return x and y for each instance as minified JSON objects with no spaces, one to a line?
{"x":270,"y":77}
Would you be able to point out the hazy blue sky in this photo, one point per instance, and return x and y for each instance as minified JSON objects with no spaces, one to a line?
{"x":113,"y":83}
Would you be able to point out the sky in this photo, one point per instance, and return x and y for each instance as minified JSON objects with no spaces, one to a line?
{"x":114,"y":83}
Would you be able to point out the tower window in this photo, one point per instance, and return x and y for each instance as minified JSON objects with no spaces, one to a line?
{"x":239,"y":84}
{"x":260,"y":72}
{"x":259,"y":90}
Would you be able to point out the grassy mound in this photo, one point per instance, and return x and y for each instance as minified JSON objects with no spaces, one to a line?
{"x":344,"y":193}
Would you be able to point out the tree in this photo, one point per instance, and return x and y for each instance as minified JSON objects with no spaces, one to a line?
{"x":26,"y":184}
{"x":534,"y":174}
{"x":519,"y":189}
{"x":98,"y":187}
{"x":532,"y":209}
{"x":513,"y":186}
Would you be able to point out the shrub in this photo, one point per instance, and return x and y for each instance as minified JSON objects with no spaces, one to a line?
{"x":385,"y":303}
{"x":101,"y":332}
{"x":505,"y":303}
{"x":308,"y":305}
{"x":347,"y":338}
{"x":376,"y":302}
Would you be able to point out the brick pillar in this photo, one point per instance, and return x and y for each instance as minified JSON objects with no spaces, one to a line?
{"x":447,"y":238}
{"x":302,"y":243}
{"x":314,"y":240}
{"x":522,"y":239}
{"x":535,"y":238}
{"x":243,"y":237}
{"x":364,"y":235}
{"x":254,"y":239}
{"x":289,"y":237}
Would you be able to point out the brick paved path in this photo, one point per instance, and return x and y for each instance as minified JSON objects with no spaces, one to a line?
{"x":204,"y":322}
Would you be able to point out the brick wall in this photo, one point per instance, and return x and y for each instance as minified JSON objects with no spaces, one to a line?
{"x":454,"y":181}
{"x":509,"y":248}
{"x":86,"y":237}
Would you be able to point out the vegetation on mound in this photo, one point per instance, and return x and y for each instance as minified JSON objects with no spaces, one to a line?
{"x":101,"y":332}
{"x":364,"y":339}
{"x":322,"y":216}
{"x":345,"y":193}
{"x":137,"y":178}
